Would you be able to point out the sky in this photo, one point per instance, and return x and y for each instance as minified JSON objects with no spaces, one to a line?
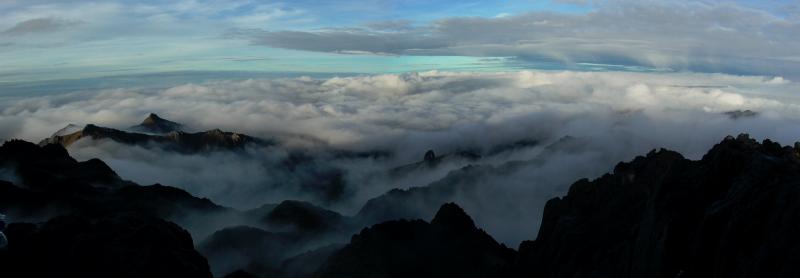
{"x":56,"y":39}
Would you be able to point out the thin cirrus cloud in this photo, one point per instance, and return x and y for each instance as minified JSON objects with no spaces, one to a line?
{"x":682,"y":36}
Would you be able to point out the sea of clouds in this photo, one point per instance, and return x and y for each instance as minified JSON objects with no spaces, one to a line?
{"x":614,"y":115}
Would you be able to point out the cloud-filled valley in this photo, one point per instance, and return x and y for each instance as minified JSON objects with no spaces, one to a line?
{"x":534,"y":132}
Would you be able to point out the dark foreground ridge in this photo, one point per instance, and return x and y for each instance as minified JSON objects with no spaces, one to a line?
{"x":734,"y":213}
{"x":122,"y":245}
{"x":449,"y":246}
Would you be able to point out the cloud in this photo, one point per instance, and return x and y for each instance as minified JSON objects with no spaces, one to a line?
{"x":615,"y":115}
{"x":39,"y":25}
{"x":682,"y":36}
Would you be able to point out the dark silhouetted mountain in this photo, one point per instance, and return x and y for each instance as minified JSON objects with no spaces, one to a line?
{"x":179,"y":141}
{"x":305,"y":218}
{"x":247,"y":248}
{"x":449,"y":246}
{"x":118,"y":245}
{"x":465,"y":181}
{"x":45,"y":167}
{"x":240,"y":274}
{"x":734,"y":213}
{"x":294,"y":227}
{"x":49,"y":181}
{"x":513,"y":146}
{"x":305,"y":264}
{"x":155,"y":124}
{"x":431,"y":161}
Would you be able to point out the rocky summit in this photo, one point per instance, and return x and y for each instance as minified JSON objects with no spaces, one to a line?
{"x":155,"y":124}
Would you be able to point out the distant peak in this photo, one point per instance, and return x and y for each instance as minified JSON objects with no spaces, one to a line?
{"x":152,"y":118}
{"x":430,"y":155}
{"x":453,"y":216}
{"x":155,"y":124}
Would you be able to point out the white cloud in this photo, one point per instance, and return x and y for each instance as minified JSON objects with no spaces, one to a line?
{"x":618,"y":115}
{"x":680,"y":35}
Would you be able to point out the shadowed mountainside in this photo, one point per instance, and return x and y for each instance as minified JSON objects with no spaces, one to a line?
{"x":731,"y":214}
{"x":449,"y":246}
{"x":114,"y":245}
{"x":734,"y":213}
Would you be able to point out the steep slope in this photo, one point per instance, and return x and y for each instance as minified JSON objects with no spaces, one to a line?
{"x":449,"y":246}
{"x":732,"y":214}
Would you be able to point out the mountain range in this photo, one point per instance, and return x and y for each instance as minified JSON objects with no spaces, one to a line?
{"x":732,"y":213}
{"x":155,"y":132}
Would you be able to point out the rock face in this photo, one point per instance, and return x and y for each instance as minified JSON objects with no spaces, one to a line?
{"x":449,"y":246}
{"x":155,"y":124}
{"x":125,"y":245}
{"x":732,"y":214}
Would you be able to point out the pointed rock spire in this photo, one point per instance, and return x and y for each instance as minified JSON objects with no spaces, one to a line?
{"x":452,"y":216}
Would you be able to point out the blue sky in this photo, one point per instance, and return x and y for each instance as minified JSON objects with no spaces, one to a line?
{"x":45,"y":40}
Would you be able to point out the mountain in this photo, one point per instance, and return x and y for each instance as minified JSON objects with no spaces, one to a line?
{"x":47,"y":181}
{"x":431,"y":161}
{"x":155,"y":124}
{"x":449,"y":246}
{"x":243,"y":247}
{"x":304,"y":218}
{"x":734,"y":213}
{"x":179,"y":141}
{"x":468,"y":182}
{"x":113,"y":245}
{"x":45,"y":167}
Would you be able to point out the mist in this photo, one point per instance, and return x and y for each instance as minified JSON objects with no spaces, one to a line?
{"x":612,"y":117}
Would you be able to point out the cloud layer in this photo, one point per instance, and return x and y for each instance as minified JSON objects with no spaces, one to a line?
{"x":678,"y":35}
{"x":615,"y":115}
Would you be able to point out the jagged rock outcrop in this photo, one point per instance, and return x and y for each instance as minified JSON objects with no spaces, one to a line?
{"x":155,"y":124}
{"x":734,"y":213}
{"x":119,"y":245}
{"x":449,"y":246}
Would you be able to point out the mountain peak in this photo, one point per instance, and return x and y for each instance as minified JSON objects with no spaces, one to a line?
{"x":451,"y":215}
{"x":152,"y":118}
{"x":155,"y":124}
